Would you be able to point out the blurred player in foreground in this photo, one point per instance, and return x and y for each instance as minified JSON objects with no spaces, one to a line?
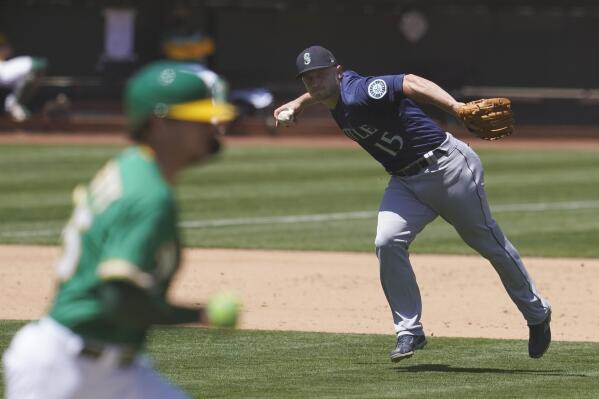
{"x":121,"y":250}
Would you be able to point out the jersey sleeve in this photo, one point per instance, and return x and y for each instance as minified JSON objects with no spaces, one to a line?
{"x":377,"y":90}
{"x":139,"y":243}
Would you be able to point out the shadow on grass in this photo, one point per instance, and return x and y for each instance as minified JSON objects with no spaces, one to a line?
{"x":444,"y":368}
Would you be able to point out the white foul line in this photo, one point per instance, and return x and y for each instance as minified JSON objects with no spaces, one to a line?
{"x":324,"y":217}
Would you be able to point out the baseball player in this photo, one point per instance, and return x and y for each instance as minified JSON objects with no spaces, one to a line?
{"x":20,"y":74}
{"x":121,"y":250}
{"x":432,"y":174}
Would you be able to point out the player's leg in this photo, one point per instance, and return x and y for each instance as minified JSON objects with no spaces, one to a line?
{"x":463,"y":203}
{"x":23,"y":74}
{"x":40,"y":363}
{"x":29,"y":85}
{"x":134,"y":381}
{"x":401,"y":217}
{"x":151,"y":385}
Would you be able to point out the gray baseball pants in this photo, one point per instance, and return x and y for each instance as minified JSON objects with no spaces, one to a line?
{"x":453,"y":188}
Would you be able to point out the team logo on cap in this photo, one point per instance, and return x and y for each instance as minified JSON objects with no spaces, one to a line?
{"x":167,"y":77}
{"x":377,"y":89}
{"x":307,"y":59}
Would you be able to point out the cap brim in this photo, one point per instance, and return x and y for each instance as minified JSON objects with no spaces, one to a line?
{"x":299,"y":75}
{"x":207,"y":111}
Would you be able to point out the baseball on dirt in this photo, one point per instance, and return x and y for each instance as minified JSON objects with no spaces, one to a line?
{"x":285,"y":115}
{"x":223,"y":310}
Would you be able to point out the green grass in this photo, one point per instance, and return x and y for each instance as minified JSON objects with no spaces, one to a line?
{"x":264,"y":364}
{"x":254,"y":182}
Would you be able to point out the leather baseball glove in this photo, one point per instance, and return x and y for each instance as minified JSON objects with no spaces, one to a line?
{"x":489,"y":119}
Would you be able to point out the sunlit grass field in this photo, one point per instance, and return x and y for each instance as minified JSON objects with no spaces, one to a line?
{"x":269,"y":364}
{"x":547,"y":201}
{"x":326,"y":199}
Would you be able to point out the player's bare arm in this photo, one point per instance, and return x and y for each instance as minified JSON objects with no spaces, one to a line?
{"x":285,"y":114}
{"x":424,"y":91}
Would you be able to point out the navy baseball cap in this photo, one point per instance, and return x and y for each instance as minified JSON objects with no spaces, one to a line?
{"x":314,"y":57}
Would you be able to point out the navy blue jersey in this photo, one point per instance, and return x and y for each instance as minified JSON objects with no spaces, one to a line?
{"x":374,"y":112}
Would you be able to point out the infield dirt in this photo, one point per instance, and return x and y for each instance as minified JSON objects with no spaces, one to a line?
{"x":340,"y":292}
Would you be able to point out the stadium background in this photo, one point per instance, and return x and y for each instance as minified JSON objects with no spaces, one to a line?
{"x":545,"y":51}
{"x":267,"y":196}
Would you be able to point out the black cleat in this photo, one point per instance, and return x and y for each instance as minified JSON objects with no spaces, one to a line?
{"x":539,"y":338}
{"x":406,"y":345}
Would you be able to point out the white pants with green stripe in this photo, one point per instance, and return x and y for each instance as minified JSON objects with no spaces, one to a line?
{"x":44,"y":361}
{"x":14,"y":70}
{"x":452,"y":188}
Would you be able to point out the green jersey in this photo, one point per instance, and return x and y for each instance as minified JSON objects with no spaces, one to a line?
{"x":123,"y":227}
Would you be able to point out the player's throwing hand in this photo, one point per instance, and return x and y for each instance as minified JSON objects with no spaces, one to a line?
{"x":285,"y":115}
